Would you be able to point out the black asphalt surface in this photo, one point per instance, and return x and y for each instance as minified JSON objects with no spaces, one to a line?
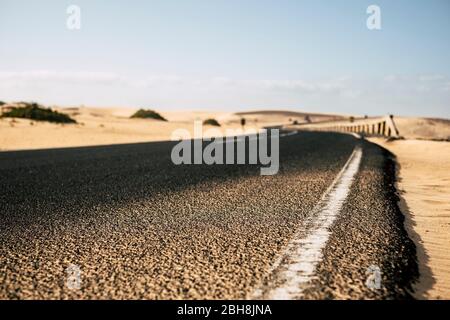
{"x":140,"y":227}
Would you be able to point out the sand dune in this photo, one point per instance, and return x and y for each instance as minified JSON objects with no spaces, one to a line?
{"x":102,"y":126}
{"x":423,"y":128}
{"x":276,"y":117}
{"x":99,"y":126}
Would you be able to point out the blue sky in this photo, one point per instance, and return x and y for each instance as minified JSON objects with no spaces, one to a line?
{"x":233,"y":55}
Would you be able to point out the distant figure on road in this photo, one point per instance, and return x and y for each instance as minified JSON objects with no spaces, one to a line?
{"x":242,"y":123}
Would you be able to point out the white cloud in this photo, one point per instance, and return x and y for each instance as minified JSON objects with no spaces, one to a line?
{"x":225,"y":81}
{"x":46,"y":75}
{"x":340,"y":94}
{"x":42,"y":77}
{"x":431,"y":77}
{"x":84,"y":78}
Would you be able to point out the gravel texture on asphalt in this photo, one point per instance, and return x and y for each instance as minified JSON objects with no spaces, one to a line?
{"x":139,"y":227}
{"x":368,"y":237}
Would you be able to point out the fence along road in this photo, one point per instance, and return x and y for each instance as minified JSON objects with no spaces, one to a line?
{"x":377,"y":126}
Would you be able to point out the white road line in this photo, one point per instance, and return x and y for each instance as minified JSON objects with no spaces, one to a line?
{"x":252,"y":137}
{"x":297,"y":264}
{"x":291,"y":133}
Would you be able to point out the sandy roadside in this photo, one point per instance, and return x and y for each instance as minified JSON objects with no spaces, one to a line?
{"x":424,"y":185}
{"x":104,"y":126}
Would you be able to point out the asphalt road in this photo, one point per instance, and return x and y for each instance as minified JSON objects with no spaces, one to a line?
{"x":137,"y":226}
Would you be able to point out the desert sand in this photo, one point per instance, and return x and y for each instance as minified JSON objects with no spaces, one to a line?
{"x":98,"y":126}
{"x":423,"y":128}
{"x":424,"y":186}
{"x":103,"y":126}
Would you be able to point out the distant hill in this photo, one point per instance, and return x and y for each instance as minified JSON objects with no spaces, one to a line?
{"x":283,"y":117}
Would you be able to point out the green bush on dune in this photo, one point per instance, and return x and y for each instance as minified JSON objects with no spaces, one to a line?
{"x":211,"y":122}
{"x":2,"y":103}
{"x":148,"y":114}
{"x":36,"y":112}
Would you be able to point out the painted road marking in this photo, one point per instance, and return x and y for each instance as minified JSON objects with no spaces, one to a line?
{"x":297,"y":264}
{"x":251,"y":137}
